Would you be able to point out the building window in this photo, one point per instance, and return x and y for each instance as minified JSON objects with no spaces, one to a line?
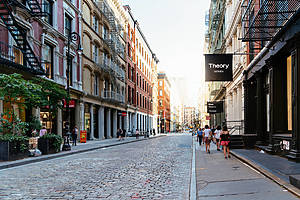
{"x":160,"y":103}
{"x":105,"y":32}
{"x":18,"y":56}
{"x":140,"y":81}
{"x":140,"y":100}
{"x":137,"y":99}
{"x":132,"y":97}
{"x":129,"y":93}
{"x":95,"y":53}
{"x":96,"y":85}
{"x":160,"y":83}
{"x":48,"y":9}
{"x":129,"y":72}
{"x":48,"y":58}
{"x":132,"y":75}
{"x":160,"y":93}
{"x":68,"y":25}
{"x":95,"y":24}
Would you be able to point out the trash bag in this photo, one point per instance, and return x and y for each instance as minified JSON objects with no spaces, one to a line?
{"x":37,"y":152}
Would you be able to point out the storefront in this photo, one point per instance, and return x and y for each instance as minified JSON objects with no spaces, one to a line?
{"x":87,"y":120}
{"x":272,"y":89}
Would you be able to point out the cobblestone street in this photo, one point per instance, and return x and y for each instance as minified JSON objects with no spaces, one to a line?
{"x":150,"y":169}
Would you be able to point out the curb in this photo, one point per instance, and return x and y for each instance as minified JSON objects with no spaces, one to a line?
{"x":193,"y":184}
{"x":68,"y":153}
{"x":268,"y":174}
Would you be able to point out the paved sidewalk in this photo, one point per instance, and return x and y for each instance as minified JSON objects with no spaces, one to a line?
{"x":80,"y":148}
{"x":229,"y":179}
{"x":274,"y":167}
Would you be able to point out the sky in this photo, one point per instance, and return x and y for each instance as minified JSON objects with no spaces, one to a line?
{"x":175,"y":30}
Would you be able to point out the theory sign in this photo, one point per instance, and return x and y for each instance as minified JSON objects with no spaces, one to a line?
{"x":218,"y":67}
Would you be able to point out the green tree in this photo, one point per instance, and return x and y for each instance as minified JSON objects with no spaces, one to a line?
{"x":38,"y":92}
{"x":14,"y":90}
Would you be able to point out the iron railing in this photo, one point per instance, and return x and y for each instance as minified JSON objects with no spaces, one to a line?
{"x":113,"y":96}
{"x":235,"y":127}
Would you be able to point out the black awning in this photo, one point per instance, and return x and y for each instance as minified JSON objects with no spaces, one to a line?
{"x":262,"y":22}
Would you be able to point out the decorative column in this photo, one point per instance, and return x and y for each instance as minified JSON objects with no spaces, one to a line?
{"x":59,"y":122}
{"x":259,"y":107}
{"x":270,"y":148}
{"x":295,"y":146}
{"x":77,"y":115}
{"x":115,"y":123}
{"x":125,"y":122}
{"x":92,"y":136}
{"x":134,"y":122}
{"x":81,"y":127}
{"x":128,"y":122}
{"x":246,"y":94}
{"x":120,"y":122}
{"x":234,"y":105}
{"x":239,"y":104}
{"x":101,"y":123}
{"x":108,"y":123}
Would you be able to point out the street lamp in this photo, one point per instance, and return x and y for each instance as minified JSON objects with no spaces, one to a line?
{"x":72,"y":37}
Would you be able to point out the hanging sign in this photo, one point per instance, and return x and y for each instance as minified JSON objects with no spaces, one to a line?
{"x":215,"y":107}
{"x":218,"y":67}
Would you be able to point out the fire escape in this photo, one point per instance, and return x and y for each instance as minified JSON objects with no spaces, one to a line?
{"x":19,"y":34}
{"x":113,"y":41}
{"x":263,"y":20}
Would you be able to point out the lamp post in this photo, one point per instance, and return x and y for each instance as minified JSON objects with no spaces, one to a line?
{"x":72,"y":37}
{"x":148,"y":124}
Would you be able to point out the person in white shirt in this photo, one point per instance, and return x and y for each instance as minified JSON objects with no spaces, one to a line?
{"x":217,"y":135}
{"x":207,"y":138}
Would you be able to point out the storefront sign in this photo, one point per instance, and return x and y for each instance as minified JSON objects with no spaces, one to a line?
{"x":218,"y":67}
{"x":215,"y":107}
{"x":83,"y":136}
{"x":71,"y":103}
{"x":123,"y":114}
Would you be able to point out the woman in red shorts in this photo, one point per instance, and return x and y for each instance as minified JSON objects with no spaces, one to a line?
{"x":225,"y":141}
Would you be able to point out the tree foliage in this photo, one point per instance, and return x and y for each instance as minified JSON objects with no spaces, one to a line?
{"x":38,"y":92}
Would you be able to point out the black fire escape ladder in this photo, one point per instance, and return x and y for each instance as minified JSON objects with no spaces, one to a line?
{"x":19,"y":35}
{"x":36,"y":10}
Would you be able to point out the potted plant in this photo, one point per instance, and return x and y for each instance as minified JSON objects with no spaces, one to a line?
{"x":49,"y":143}
{"x":13,"y":147}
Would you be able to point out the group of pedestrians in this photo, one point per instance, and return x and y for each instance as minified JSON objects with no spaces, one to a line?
{"x":219,"y":136}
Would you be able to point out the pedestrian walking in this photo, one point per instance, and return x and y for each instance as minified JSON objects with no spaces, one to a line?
{"x":225,"y":141}
{"x":207,"y":138}
{"x":200,"y":136}
{"x":123,"y":134}
{"x":119,"y":132}
{"x":217,"y":136}
{"x":213,"y":129}
{"x":74,"y":135}
{"x":43,"y":131}
{"x":137,"y":134}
